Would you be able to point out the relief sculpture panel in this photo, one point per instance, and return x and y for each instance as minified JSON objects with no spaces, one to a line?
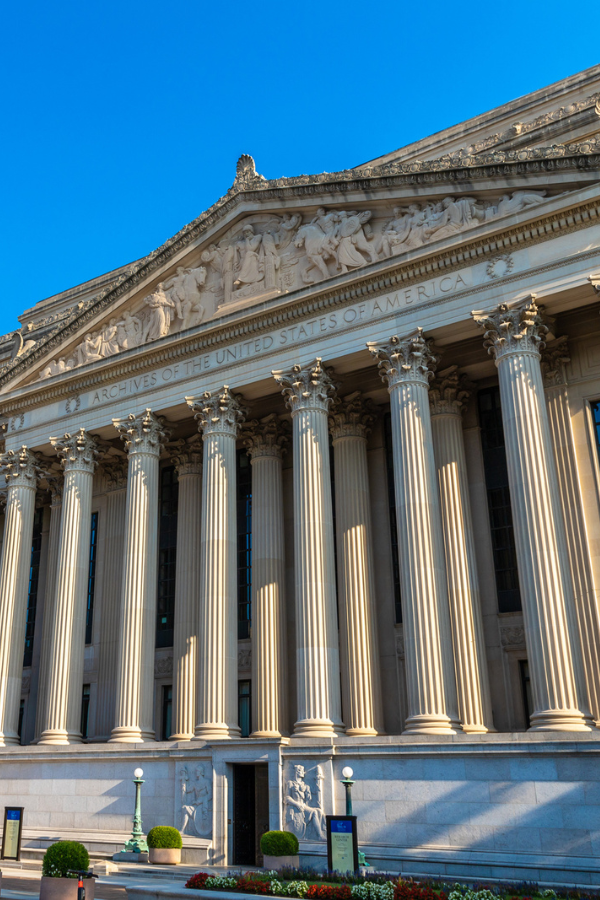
{"x":305,"y":814}
{"x":267,"y":254}
{"x":196,"y":800}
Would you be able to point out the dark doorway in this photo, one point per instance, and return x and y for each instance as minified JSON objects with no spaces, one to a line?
{"x":250,"y":812}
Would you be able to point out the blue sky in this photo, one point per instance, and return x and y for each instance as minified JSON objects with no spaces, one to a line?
{"x":124,"y":120}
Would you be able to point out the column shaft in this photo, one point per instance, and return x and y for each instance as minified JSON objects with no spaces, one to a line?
{"x":432,"y":704}
{"x":307,"y":391}
{"x":49,"y":605}
{"x":187,"y":593}
{"x":265,"y":442}
{"x":21,"y":473}
{"x":115,"y":473}
{"x":350,"y":423}
{"x":61,"y":724}
{"x":447,"y":399}
{"x":143,"y":436}
{"x":514,"y":337}
{"x":554,"y":360}
{"x":219,"y":417}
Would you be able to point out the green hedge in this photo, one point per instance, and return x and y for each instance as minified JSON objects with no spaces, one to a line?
{"x":65,"y":855}
{"x":164,"y":837}
{"x":279,"y":843}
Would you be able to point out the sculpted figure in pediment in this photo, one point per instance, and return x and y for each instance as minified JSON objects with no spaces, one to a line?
{"x":109,"y":344}
{"x":89,"y":349}
{"x":249,"y":263}
{"x":158,"y":316}
{"x":519,"y":200}
{"x":352,"y":239}
{"x":129,"y":331}
{"x":287,"y":226}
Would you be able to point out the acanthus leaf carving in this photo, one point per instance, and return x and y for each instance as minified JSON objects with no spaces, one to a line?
{"x":307,"y":387}
{"x":21,"y":466}
{"x":449,"y":392}
{"x":413,"y":358}
{"x":352,"y":416}
{"x":144,"y":433}
{"x":555,"y":357}
{"x":218,"y":412}
{"x":267,"y":437}
{"x":78,"y":451}
{"x":517,"y":328}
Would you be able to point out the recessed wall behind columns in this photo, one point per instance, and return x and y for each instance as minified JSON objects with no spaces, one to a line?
{"x":507,"y":806}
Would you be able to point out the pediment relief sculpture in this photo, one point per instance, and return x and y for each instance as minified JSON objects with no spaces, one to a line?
{"x":266,"y":255}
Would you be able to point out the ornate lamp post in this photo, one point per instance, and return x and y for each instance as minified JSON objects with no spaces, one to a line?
{"x":347,"y":782}
{"x":137,"y":842}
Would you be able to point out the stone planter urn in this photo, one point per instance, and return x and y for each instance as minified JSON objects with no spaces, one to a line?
{"x":164,"y":856}
{"x":65,"y":888}
{"x":281,"y":862}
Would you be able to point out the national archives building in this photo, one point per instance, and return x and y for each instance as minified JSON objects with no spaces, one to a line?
{"x":316,"y":484}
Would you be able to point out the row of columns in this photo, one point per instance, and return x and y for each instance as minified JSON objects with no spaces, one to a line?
{"x":446,"y":673}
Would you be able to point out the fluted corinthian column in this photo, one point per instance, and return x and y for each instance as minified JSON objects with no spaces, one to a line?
{"x":115,"y":480}
{"x":143,"y":435}
{"x":350,"y":422}
{"x":188,"y":462}
{"x":514,"y":336}
{"x":219,"y":417}
{"x":61,"y":725}
{"x":308,"y":391}
{"x":266,"y":441}
{"x":21,"y":469}
{"x":447,"y":397}
{"x":407,"y":365}
{"x":55,"y":483}
{"x":554,"y":360}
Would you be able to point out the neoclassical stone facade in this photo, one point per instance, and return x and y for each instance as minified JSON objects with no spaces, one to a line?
{"x":316,"y":483}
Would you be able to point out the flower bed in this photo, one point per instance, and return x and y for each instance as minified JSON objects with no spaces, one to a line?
{"x":307,"y":884}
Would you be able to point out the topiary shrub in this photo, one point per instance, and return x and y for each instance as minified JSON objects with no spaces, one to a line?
{"x":164,"y":837}
{"x":65,"y":855}
{"x":279,"y":843}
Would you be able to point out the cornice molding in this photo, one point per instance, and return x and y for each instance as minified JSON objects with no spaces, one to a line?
{"x":372,"y":281}
{"x":583,"y":155}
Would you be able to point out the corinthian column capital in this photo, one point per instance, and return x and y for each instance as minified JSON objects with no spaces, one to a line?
{"x":145,"y":433}
{"x":513,"y":330}
{"x":351,"y":416}
{"x":449,"y":393}
{"x":115,"y":473}
{"x":306,"y":387}
{"x":187,"y":457}
{"x":219,"y":412}
{"x":21,"y":467}
{"x":412,"y":358}
{"x":268,"y":437}
{"x":554,"y":359}
{"x":78,"y":452}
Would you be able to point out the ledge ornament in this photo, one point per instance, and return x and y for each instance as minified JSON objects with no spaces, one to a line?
{"x":219,"y":412}
{"x":412,"y":358}
{"x":196,"y":800}
{"x":303,"y":816}
{"x":145,"y":433}
{"x":306,"y":387}
{"x":77,"y":452}
{"x":513,"y":329}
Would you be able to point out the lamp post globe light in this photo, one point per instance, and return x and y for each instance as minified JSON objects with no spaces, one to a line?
{"x":347,"y":782}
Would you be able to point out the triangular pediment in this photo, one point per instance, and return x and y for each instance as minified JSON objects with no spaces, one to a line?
{"x":239,"y":254}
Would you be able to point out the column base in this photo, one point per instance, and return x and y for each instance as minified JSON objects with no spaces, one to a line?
{"x":128,"y":734}
{"x":261,"y":735}
{"x":362,"y":732}
{"x":318,"y":728}
{"x":9,"y":740}
{"x":560,"y":720}
{"x":181,"y":737}
{"x":217,"y":731}
{"x":54,"y":736}
{"x":477,"y":729}
{"x":425,"y":724}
